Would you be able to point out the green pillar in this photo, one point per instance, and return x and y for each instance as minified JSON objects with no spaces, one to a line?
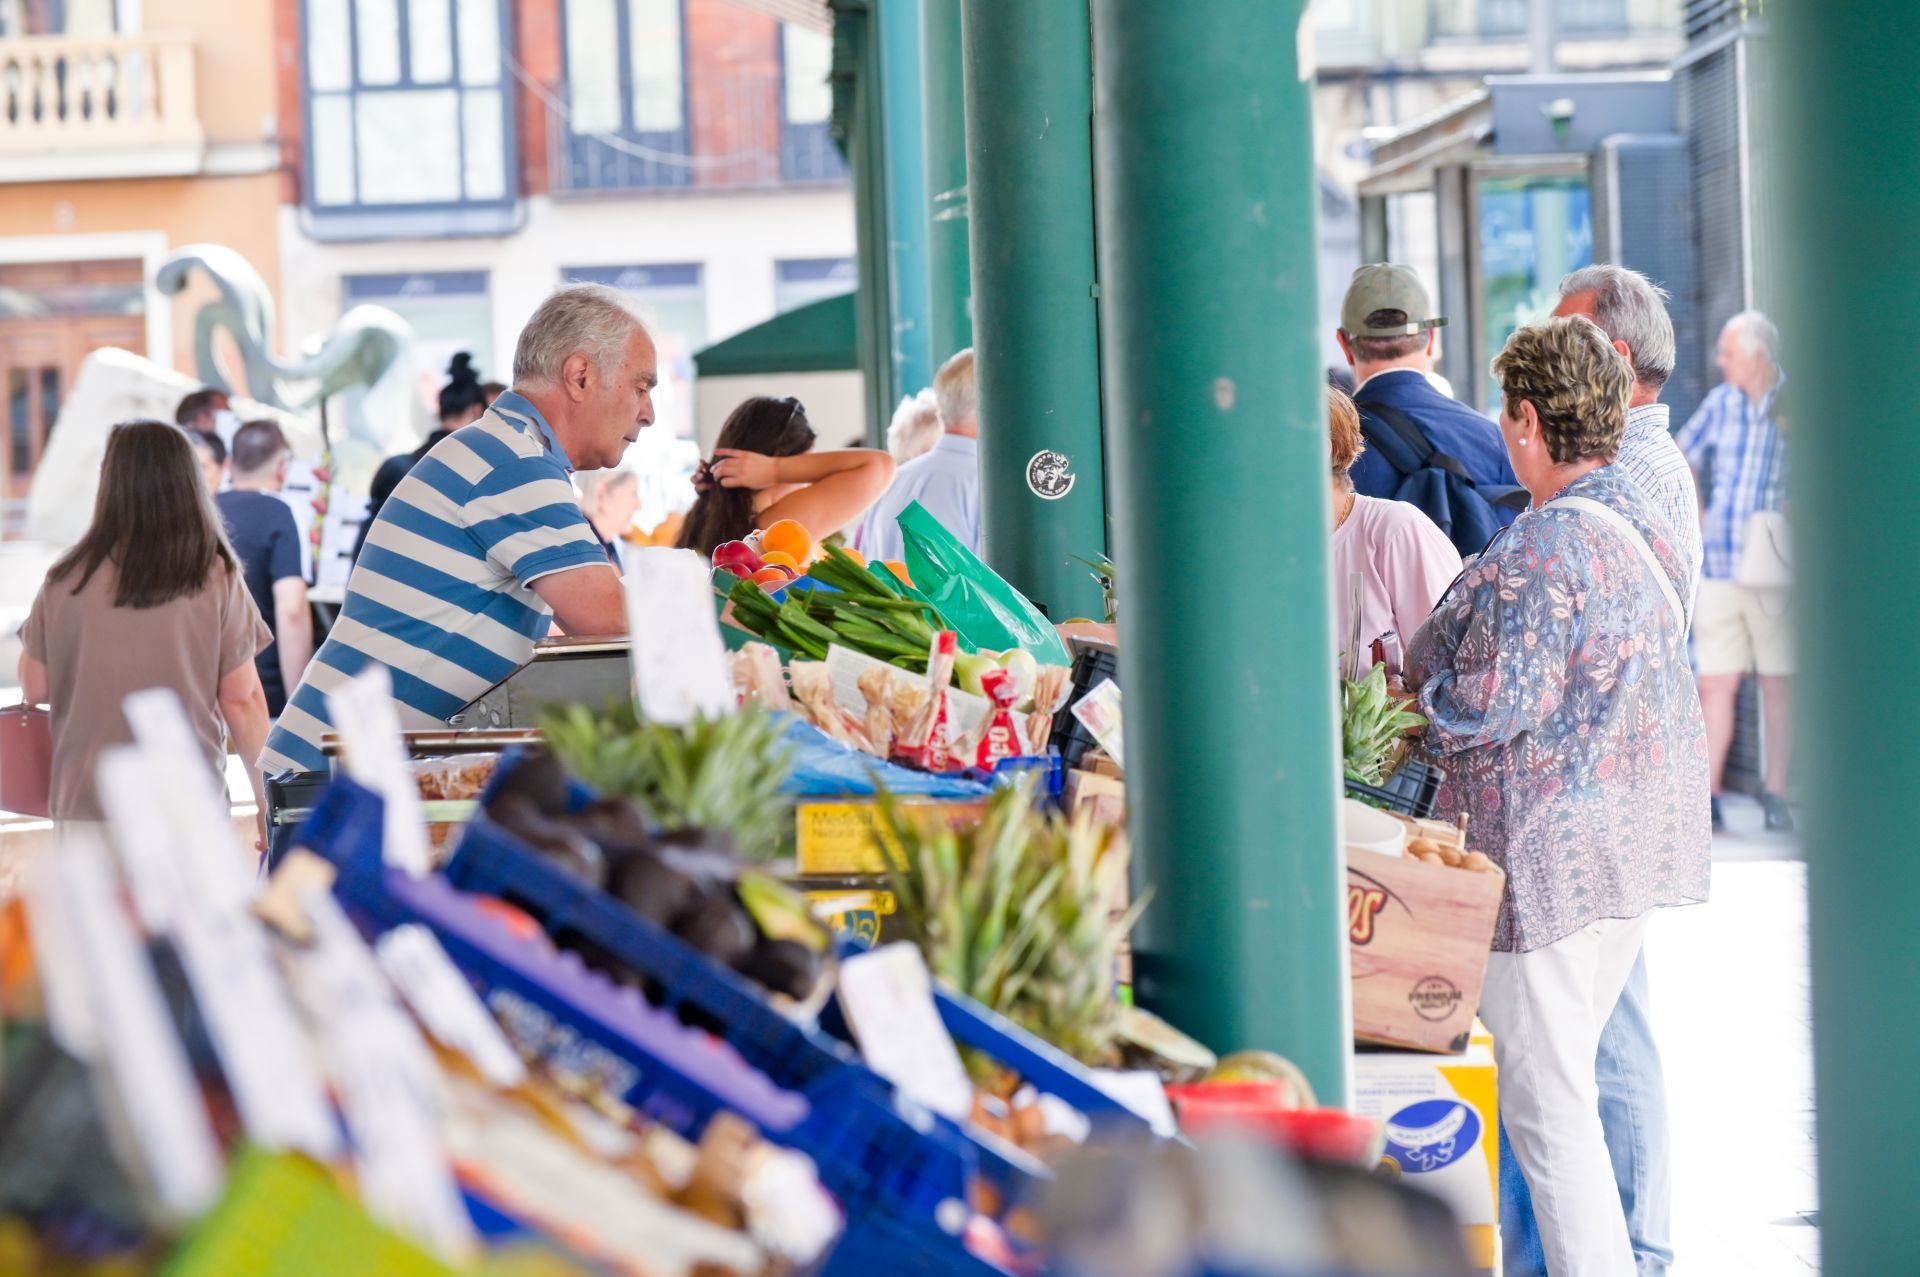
{"x":856,"y":69}
{"x":1217,"y":438}
{"x":1853,"y":170}
{"x":951,"y":284}
{"x":907,"y":222}
{"x":1036,"y":326}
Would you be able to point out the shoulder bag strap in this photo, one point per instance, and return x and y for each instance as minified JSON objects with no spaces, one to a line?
{"x":1608,"y":515}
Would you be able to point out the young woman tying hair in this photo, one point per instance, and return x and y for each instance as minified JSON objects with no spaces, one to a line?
{"x":765,"y":470}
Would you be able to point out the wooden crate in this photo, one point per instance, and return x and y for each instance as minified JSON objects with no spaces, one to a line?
{"x":1418,"y":937}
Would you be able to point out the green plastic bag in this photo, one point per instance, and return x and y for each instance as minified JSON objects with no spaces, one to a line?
{"x":982,"y":608}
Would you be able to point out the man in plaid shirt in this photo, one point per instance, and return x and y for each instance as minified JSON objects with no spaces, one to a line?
{"x":1737,"y":437}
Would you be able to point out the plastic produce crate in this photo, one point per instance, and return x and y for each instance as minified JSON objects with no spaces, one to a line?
{"x":492,"y":861}
{"x":1036,"y":1060}
{"x":899,"y":1182}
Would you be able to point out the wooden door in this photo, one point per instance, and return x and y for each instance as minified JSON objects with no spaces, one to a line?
{"x":59,"y":314}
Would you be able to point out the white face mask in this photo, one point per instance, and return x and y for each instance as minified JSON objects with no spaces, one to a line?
{"x":226,"y":424}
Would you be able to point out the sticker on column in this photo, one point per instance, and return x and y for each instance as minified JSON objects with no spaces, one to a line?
{"x":1048,"y":476}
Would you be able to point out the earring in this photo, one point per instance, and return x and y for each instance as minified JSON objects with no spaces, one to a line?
{"x":1523,"y":443}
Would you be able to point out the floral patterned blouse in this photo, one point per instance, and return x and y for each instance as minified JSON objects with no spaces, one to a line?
{"x":1563,"y":708}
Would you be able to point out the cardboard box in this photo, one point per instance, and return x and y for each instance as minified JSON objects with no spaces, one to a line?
{"x":842,"y":837}
{"x":1418,"y":937}
{"x":1441,"y":1114}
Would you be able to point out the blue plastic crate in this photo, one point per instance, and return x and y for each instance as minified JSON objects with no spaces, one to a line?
{"x":800,"y":1056}
{"x":1036,"y":1060}
{"x":897,"y":1172}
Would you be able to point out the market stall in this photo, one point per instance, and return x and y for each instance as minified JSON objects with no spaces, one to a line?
{"x":809,"y":955}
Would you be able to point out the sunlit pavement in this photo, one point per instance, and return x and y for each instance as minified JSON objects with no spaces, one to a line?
{"x":1733,"y":1015}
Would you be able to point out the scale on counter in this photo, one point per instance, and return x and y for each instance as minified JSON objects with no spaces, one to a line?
{"x":575,"y":671}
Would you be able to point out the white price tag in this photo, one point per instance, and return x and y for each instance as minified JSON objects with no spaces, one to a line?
{"x":440,"y":998}
{"x":887,"y":995}
{"x":363,"y":714}
{"x":1141,"y":1091}
{"x":180,"y":789}
{"x":679,"y":659}
{"x":390,"y":1089}
{"x":1099,"y":712}
{"x":78,"y":923}
{"x":180,"y":857}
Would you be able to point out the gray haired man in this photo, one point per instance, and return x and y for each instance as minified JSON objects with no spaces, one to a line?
{"x":1630,"y":309}
{"x":484,"y":546}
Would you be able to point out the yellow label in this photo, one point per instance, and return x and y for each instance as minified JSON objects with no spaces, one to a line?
{"x":854,"y":913}
{"x":833,"y":839}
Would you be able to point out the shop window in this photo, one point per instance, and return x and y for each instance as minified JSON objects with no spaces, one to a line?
{"x":626,"y":94}
{"x":407,"y":110}
{"x":796,"y":283}
{"x":673,"y":297}
{"x":1533,"y":230}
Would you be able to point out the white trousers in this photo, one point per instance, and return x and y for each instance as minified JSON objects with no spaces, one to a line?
{"x":1546,"y":1010}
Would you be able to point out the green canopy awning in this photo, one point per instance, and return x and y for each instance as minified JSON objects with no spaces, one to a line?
{"x":817,"y":337}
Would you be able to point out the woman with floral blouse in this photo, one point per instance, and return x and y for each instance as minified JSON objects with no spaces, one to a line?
{"x":1555,"y":679}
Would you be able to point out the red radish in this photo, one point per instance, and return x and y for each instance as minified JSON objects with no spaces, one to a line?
{"x":737,"y":554}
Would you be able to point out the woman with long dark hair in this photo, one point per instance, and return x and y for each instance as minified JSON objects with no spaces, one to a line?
{"x":152,"y":596}
{"x":765,"y":470}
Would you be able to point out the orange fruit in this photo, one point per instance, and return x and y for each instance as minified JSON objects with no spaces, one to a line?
{"x":781,"y":557}
{"x":854,"y":554}
{"x":772,"y":577}
{"x":790,"y":537}
{"x":898,"y":568}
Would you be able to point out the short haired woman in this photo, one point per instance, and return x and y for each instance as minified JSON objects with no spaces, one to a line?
{"x":151,"y":597}
{"x":765,"y":470}
{"x":1401,"y":559}
{"x":1555,"y":680}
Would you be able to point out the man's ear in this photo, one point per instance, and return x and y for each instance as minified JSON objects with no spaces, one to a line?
{"x":1433,"y":340}
{"x":1346,"y":347}
{"x":576,"y":376}
{"x":1625,"y":352}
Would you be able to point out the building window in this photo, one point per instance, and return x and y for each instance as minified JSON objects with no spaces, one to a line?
{"x":448,"y":311}
{"x":406,"y":105}
{"x":1508,"y":19}
{"x":796,"y":283}
{"x":626,"y":94}
{"x":807,"y":152}
{"x":675,"y":303}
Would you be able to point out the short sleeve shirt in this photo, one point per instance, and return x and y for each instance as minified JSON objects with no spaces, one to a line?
{"x":946,"y":481}
{"x":267,"y":540}
{"x":442,"y":593}
{"x":97,"y":655}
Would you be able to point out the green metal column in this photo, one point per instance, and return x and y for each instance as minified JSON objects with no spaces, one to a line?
{"x":1036,"y":326}
{"x":951,"y":296}
{"x":1217,"y":437}
{"x":903,"y":132}
{"x":859,"y":111}
{"x":1852,"y":161}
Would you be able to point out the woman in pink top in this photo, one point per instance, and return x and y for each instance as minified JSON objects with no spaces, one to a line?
{"x":1399,"y":558}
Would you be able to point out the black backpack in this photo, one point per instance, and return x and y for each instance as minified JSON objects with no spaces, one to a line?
{"x":1469,"y":513}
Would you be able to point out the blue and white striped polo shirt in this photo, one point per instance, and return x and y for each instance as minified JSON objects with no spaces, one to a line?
{"x":441,"y":594}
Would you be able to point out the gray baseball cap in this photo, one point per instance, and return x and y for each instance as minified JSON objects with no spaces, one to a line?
{"x":1387,"y":286}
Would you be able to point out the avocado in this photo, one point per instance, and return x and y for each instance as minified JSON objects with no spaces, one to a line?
{"x":785,"y":966}
{"x":652,"y":888}
{"x":720,"y":929}
{"x":538,"y":776}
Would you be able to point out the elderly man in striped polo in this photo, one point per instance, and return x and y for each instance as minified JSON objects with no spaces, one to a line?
{"x":483,"y":546}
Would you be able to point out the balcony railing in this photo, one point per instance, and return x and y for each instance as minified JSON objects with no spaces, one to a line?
{"x":734,"y":136}
{"x":110,"y":106}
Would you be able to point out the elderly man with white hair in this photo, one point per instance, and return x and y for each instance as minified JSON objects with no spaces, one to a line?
{"x":1738,"y":437}
{"x":483,"y":546}
{"x":945,"y":479}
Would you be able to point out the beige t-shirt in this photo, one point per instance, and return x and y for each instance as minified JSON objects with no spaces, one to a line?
{"x":97,"y":654}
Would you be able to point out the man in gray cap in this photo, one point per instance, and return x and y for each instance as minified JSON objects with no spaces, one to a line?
{"x":1422,"y":446}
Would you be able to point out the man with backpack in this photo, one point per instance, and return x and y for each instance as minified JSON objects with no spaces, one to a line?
{"x":1422,"y":446}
